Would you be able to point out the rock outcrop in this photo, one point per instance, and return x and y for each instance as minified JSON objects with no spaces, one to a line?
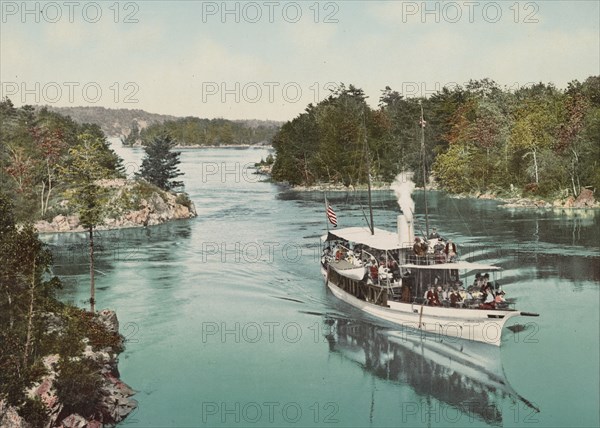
{"x":585,"y":199}
{"x":156,"y":208}
{"x":526,"y":203}
{"x":10,"y":418}
{"x":114,"y":406}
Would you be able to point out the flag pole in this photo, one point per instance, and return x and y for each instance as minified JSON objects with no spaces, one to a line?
{"x":326,"y":216}
{"x":422,"y":124}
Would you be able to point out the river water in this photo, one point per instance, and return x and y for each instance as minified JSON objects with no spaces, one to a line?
{"x":229,"y":323}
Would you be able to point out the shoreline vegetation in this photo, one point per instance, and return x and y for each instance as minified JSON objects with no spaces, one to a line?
{"x":195,"y":132}
{"x":533,"y":144}
{"x":46,"y":158}
{"x":58,"y":362}
{"x":584,"y":200}
{"x":55,"y":398}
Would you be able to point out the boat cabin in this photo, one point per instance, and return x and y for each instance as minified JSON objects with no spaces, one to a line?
{"x":379,"y":268}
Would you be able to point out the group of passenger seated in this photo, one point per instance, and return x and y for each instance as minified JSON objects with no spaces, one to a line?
{"x":451,"y":296}
{"x":337,"y":251}
{"x":386,"y":269}
{"x":482,"y":287}
{"x":383,"y":271}
{"x":452,"y":293}
{"x":443,"y":251}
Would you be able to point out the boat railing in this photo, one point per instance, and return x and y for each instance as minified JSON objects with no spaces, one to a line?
{"x":430,"y":259}
{"x":362,"y":290}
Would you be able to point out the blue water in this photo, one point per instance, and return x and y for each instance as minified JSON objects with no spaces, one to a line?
{"x":229,"y":323}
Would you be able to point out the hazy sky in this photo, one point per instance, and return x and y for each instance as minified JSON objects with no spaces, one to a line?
{"x":269,"y":59}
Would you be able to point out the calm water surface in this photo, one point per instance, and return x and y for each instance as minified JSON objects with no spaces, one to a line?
{"x":229,"y":323}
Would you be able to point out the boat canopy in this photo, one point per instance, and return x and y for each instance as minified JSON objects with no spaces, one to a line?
{"x":381,"y":240}
{"x":460,"y":265}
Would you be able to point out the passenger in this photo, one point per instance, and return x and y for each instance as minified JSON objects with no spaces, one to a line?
{"x":484,"y":281}
{"x":489,"y":301}
{"x":359,"y":256}
{"x":433,"y":298}
{"x":438,"y":251}
{"x":406,"y":293}
{"x":418,"y":247}
{"x":374,"y":273}
{"x":450,"y":251}
{"x":478,"y":281}
{"x":500,"y":297}
{"x":445,"y":294}
{"x":383,"y":271}
{"x":351,"y":258}
{"x":455,"y":297}
{"x":434,"y":234}
{"x":394,"y":269}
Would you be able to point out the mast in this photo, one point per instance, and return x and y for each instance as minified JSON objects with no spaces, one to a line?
{"x":422,"y":124}
{"x":368,"y":164}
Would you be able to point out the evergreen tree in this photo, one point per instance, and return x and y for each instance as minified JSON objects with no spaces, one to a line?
{"x":159,"y":165}
{"x":87,"y":166}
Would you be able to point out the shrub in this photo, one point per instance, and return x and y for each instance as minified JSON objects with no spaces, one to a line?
{"x":78,"y":386}
{"x":34,"y":412}
{"x":184,"y":199}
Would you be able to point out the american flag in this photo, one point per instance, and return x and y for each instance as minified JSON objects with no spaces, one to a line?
{"x":331,"y":215}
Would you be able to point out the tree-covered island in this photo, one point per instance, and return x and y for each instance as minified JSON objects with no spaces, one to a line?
{"x":536,"y":141}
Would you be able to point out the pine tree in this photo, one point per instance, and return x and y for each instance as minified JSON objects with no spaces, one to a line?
{"x":159,"y":166}
{"x":88,"y":198}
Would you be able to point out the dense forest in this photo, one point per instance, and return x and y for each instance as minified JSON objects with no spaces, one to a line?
{"x":35,"y":325}
{"x":37,"y":147}
{"x":535,"y":140}
{"x":193,"y":131}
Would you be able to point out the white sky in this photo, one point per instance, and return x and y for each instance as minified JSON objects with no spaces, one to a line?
{"x":269,"y":59}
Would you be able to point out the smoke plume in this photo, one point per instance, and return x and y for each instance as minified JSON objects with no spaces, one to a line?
{"x":403,"y":187}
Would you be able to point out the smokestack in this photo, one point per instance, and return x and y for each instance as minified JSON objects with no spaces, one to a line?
{"x":406,"y":233}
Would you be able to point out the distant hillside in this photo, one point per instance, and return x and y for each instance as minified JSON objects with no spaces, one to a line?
{"x":193,"y":131}
{"x":120,"y":122}
{"x":114,"y":122}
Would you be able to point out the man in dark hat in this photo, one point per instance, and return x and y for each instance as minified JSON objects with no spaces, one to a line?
{"x":434,"y":234}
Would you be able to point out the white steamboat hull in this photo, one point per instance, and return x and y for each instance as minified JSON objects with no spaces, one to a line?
{"x":478,"y":325}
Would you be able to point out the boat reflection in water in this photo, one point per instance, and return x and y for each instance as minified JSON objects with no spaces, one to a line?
{"x":465,"y":375}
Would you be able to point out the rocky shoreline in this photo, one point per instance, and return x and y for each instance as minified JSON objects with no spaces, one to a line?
{"x":212,"y":146}
{"x":585,"y":200}
{"x":155,"y":208}
{"x":115,"y":403}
